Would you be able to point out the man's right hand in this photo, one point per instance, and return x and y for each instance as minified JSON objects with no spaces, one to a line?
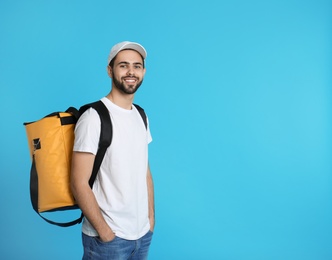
{"x":107,"y":237}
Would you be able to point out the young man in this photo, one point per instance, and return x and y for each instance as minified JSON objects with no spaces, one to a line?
{"x":119,"y":210}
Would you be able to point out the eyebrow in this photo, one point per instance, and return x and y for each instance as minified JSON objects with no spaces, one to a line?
{"x":126,"y":62}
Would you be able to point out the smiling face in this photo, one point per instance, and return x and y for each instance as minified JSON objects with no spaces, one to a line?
{"x":127,"y":72}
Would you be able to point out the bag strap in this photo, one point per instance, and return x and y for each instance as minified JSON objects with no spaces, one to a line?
{"x":105,"y":138}
{"x":143,"y":115}
{"x":34,"y":198}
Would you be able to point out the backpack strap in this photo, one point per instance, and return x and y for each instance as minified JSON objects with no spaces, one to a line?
{"x":143,"y":115}
{"x":105,"y":138}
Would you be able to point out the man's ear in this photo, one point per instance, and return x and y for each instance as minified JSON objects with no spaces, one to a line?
{"x":109,"y":71}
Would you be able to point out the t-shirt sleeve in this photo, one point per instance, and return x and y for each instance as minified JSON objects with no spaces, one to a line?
{"x":87,"y":132}
{"x":149,"y":137}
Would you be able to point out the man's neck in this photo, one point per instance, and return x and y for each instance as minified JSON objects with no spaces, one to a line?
{"x":122,"y":100}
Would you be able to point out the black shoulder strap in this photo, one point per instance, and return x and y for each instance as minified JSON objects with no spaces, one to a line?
{"x":105,"y":138}
{"x":143,"y":115}
{"x":34,"y":199}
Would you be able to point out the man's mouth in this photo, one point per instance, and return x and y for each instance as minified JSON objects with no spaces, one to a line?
{"x":130,"y":80}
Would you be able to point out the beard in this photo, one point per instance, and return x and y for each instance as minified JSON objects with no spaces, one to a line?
{"x":129,"y":89}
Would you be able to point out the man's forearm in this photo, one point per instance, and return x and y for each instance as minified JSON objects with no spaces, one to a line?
{"x":151,"y":199}
{"x":82,"y":164}
{"x":89,"y":206}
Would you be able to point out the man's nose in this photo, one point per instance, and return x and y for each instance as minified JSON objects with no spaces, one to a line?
{"x":130,"y":70}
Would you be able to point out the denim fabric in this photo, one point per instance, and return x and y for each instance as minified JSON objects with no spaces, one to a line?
{"x":117,"y":249}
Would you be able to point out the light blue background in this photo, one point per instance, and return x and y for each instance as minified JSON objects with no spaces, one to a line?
{"x":239,"y":98}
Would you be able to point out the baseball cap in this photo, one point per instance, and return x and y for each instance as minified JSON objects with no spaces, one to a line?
{"x":126,"y":45}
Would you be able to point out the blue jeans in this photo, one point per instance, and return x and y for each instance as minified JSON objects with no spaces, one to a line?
{"x":117,"y":249}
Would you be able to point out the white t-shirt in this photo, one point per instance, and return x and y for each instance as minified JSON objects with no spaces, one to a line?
{"x":120,"y":187}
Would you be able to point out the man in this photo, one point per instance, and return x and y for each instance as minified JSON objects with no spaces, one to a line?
{"x":119,"y":210}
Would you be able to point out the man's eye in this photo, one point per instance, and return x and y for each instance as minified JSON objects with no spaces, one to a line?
{"x":137,"y":67}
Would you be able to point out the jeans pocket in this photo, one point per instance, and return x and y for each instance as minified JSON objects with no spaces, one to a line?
{"x":105,"y":243}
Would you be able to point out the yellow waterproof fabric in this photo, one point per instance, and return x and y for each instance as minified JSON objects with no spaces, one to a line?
{"x":54,"y":143}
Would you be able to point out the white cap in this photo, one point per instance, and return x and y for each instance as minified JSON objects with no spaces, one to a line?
{"x":126,"y":45}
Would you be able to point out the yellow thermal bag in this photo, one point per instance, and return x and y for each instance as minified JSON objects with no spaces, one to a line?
{"x":51,"y":142}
